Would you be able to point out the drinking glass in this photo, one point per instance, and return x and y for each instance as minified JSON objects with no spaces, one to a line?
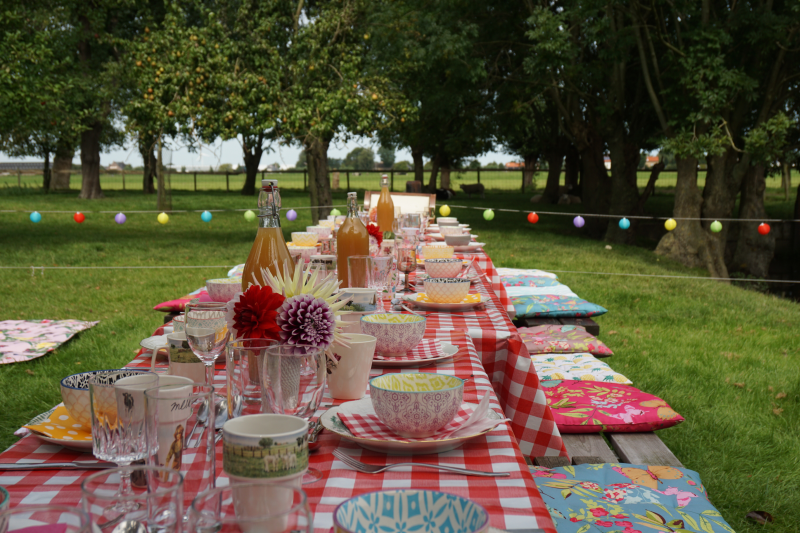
{"x":432,"y":214}
{"x":381,"y":268}
{"x":244,"y":364}
{"x":118,"y":420}
{"x":406,"y":262}
{"x":38,"y":517}
{"x":207,"y":333}
{"x":172,"y":409}
{"x":251,"y":507}
{"x":156,"y":501}
{"x":294,"y":380}
{"x":360,"y":271}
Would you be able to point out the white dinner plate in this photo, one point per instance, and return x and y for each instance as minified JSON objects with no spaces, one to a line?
{"x":432,"y":306}
{"x":77,"y":445}
{"x":448,"y":349}
{"x":471,"y":247}
{"x":330,"y":421}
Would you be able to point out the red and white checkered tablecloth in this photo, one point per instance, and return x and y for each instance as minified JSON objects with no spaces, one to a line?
{"x":513,"y":502}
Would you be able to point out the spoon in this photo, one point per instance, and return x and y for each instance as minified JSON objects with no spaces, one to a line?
{"x":130,"y":526}
{"x":202,"y":416}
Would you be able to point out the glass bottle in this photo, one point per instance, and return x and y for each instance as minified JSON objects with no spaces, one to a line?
{"x":351,"y":239}
{"x":269,"y":249}
{"x":385,"y":206}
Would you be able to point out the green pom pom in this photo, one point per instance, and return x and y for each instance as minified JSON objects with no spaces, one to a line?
{"x":488,"y":214}
{"x":335,"y":212}
{"x":249,"y":216}
{"x":716,"y":226}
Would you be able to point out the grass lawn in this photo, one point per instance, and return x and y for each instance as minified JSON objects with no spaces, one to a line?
{"x":727,"y":359}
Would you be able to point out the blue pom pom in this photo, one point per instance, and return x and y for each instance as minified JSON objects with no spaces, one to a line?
{"x":624,"y":223}
{"x":206,"y":216}
{"x":36,"y":217}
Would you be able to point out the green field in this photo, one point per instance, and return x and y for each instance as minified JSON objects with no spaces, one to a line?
{"x":723,"y":357}
{"x":495,"y":180}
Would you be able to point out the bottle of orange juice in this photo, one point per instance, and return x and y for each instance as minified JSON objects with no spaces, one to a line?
{"x":351,"y":239}
{"x":385,"y":206}
{"x":269,"y":249}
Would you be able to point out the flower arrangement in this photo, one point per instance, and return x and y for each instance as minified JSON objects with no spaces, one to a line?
{"x":294,"y":307}
{"x":373,"y":231}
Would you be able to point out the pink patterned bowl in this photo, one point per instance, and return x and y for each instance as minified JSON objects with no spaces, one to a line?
{"x":396,"y":333}
{"x":443,"y":268}
{"x":223,"y":289}
{"x":416,"y":405}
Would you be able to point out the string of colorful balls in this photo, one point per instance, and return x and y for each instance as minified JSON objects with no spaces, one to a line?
{"x":163,"y":218}
{"x":624,"y":223}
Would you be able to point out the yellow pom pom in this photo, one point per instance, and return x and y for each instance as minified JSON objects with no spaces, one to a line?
{"x":670,"y":224}
{"x":163,"y":218}
{"x":444,"y":211}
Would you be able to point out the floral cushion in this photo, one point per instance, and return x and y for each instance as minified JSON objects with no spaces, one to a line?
{"x":178,"y":305}
{"x":526,"y":280}
{"x":550,"y":305}
{"x":23,"y":340}
{"x":577,"y":366}
{"x":625,"y":498}
{"x":504,"y":272}
{"x":590,"y":407}
{"x":562,"y":339}
{"x":558,"y":289}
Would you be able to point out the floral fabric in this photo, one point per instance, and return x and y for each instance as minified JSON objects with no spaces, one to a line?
{"x":576,"y":366}
{"x":591,"y":407}
{"x":562,"y":339}
{"x":503,"y":272}
{"x":23,"y":340}
{"x":625,"y":498}
{"x":179,"y":304}
{"x":526,"y":280}
{"x":547,"y":305}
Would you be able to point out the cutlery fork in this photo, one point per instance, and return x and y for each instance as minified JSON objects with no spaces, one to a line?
{"x":373,"y":469}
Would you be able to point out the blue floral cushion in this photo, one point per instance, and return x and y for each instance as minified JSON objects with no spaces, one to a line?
{"x":550,"y":305}
{"x":525,"y":280}
{"x":625,"y":498}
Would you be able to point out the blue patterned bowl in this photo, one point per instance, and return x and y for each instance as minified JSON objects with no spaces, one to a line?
{"x":396,"y":334}
{"x":75,"y":394}
{"x":423,"y":511}
{"x":416,"y":405}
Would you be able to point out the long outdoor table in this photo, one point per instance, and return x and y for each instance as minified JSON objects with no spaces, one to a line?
{"x":496,"y":364}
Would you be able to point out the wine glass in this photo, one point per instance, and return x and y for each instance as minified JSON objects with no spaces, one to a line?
{"x":118,"y":423}
{"x":294,"y":379}
{"x":207,"y":333}
{"x":406,"y":262}
{"x":432,"y":214}
{"x":32,"y":518}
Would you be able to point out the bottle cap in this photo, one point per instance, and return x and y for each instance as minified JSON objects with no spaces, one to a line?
{"x":352,"y":195}
{"x":266,"y":183}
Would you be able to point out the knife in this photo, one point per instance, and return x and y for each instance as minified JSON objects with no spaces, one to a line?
{"x":74,"y":465}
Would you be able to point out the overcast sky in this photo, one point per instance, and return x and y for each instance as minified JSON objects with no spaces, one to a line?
{"x":231,"y":152}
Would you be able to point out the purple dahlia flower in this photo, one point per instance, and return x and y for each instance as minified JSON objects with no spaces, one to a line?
{"x":304,"y":319}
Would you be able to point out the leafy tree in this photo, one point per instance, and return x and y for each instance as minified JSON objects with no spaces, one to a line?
{"x":386,"y":155}
{"x":403,"y":165}
{"x":302,"y":160}
{"x":360,"y":159}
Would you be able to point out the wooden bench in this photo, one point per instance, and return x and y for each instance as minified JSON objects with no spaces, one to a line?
{"x":592,"y":448}
{"x":591,"y":326}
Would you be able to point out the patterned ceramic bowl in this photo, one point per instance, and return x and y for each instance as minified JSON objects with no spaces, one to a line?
{"x":451,"y":230}
{"x":437,"y":251}
{"x":322,"y":231}
{"x":446,"y":223}
{"x":75,"y":394}
{"x":396,"y":334}
{"x":443,"y":268}
{"x":457,"y":240}
{"x":304,"y":238}
{"x":223,"y":289}
{"x":446,"y":290}
{"x":395,"y":511}
{"x":416,"y":405}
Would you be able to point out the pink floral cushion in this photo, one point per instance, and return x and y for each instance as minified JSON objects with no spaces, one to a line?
{"x":177,"y":305}
{"x":592,"y":407}
{"x":562,"y":339}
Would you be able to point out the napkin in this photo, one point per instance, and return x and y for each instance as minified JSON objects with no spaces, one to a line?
{"x":59,"y":425}
{"x":426,"y":349}
{"x":467,"y":422}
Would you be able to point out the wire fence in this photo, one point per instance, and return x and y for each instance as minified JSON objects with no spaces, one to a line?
{"x":341,"y":180}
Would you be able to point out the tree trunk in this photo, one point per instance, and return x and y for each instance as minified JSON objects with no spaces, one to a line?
{"x":786,"y":178}
{"x":434,"y":174}
{"x":689,"y":243}
{"x":419,"y":165}
{"x":624,"y":189}
{"x":594,"y":186}
{"x":446,"y":176}
{"x":46,"y":172}
{"x":319,"y":183}
{"x":657,"y":169}
{"x":90,"y":163}
{"x":149,"y":162}
{"x":529,"y":171}
{"x":62,"y":166}
{"x":252,"y":158}
{"x":723,"y":182}
{"x":554,"y":158}
{"x":571,"y":165}
{"x":754,"y":251}
{"x":164,"y":200}
{"x":796,"y":239}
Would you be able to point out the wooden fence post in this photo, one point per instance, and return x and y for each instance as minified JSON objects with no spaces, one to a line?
{"x":123,"y":179}
{"x":523,"y":180}
{"x":19,"y":178}
{"x":479,"y":174}
{"x":195,"y":182}
{"x":304,"y":180}
{"x":348,"y":181}
{"x":228,"y":183}
{"x":391,"y":172}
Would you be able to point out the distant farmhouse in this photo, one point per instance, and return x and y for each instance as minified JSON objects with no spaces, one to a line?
{"x":13,"y":166}
{"x":514,"y":165}
{"x":118,"y":165}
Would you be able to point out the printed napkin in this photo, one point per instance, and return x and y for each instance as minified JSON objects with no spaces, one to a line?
{"x":467,"y":422}
{"x":426,"y":349}
{"x":59,"y":425}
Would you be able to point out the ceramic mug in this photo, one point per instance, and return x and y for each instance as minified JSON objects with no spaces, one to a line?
{"x":361,"y":299}
{"x":174,"y":408}
{"x":182,"y":361}
{"x":349,"y":379}
{"x":266,"y":448}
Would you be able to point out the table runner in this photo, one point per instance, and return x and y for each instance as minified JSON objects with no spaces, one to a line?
{"x":512,"y":502}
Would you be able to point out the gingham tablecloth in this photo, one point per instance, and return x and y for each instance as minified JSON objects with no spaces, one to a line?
{"x":513,"y":503}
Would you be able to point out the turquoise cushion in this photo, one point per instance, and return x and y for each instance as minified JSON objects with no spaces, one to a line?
{"x":624,"y":498}
{"x":525,"y":280}
{"x":549,"y":305}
